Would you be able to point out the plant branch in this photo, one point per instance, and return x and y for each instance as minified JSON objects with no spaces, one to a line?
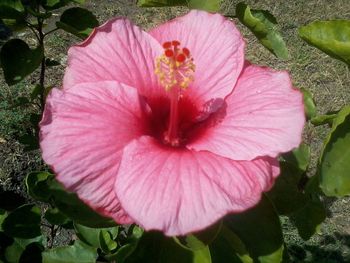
{"x":49,"y":32}
{"x":43,"y":66}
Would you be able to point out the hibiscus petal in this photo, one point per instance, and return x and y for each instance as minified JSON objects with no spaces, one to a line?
{"x":117,"y":50}
{"x":179,"y":191}
{"x":216,"y":46}
{"x":82,"y":134}
{"x":264,"y":116}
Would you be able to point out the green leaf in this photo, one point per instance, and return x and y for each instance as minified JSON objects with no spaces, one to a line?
{"x":24,"y":222}
{"x":201,"y":239}
{"x":91,"y":236}
{"x":107,"y":244}
{"x":309,"y":218}
{"x":154,"y":247}
{"x":260,"y":230}
{"x":51,"y":63}
{"x":332,"y":37}
{"x":264,"y":26}
{"x":323,"y":119}
{"x":54,"y":4}
{"x":334,"y":166}
{"x":228,"y":247}
{"x":309,"y":104}
{"x":10,"y":200}
{"x":285,"y":194}
{"x":56,"y":217}
{"x":14,"y":252}
{"x":18,"y":60}
{"x":3,"y":215}
{"x":12,"y":9}
{"x":30,"y":142}
{"x":299,"y":157}
{"x":208,"y":5}
{"x":77,"y":21}
{"x":160,"y":3}
{"x":77,"y":253}
{"x":37,"y":187}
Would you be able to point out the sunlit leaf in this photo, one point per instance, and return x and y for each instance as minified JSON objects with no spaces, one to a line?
{"x":260,"y":230}
{"x":334,"y":166}
{"x":77,"y":253}
{"x":107,"y":244}
{"x":24,"y":222}
{"x":208,"y":5}
{"x":264,"y":26}
{"x":18,"y":60}
{"x":309,"y":104}
{"x":78,"y":21}
{"x":323,"y":119}
{"x":332,"y":37}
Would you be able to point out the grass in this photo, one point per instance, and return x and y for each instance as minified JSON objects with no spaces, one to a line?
{"x":326,"y":78}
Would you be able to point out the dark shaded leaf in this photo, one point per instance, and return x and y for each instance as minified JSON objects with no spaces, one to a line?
{"x":10,"y":200}
{"x":18,"y":60}
{"x":56,"y":217}
{"x":13,"y":253}
{"x":332,"y":37}
{"x":260,"y":230}
{"x":37,"y":187}
{"x":77,"y":21}
{"x":264,"y":26}
{"x":24,"y":222}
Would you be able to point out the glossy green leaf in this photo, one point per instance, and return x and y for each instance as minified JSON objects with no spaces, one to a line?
{"x":92,"y":236}
{"x":323,"y":119}
{"x":14,"y":252}
{"x":208,"y":5}
{"x":334,"y":166}
{"x":264,"y":26}
{"x":107,"y":244}
{"x":56,"y":217}
{"x":3,"y":215}
{"x":77,"y":253}
{"x":18,"y":60}
{"x":309,"y":218}
{"x":77,"y":21}
{"x":309,"y":104}
{"x":260,"y":230}
{"x":37,"y":187}
{"x":24,"y":222}
{"x":332,"y":37}
{"x":228,"y":247}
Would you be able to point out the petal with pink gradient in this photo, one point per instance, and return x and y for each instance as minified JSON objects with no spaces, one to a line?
{"x":263,"y":116}
{"x":179,"y":191}
{"x":82,"y":134}
{"x":217,"y":48}
{"x":117,"y":50}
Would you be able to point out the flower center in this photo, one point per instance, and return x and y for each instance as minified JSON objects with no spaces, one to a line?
{"x":175,"y":70}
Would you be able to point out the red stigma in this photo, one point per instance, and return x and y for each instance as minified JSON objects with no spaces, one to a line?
{"x":167,"y":45}
{"x":169,"y":53}
{"x":180,"y":58}
{"x":186,"y":51}
{"x":175,"y":43}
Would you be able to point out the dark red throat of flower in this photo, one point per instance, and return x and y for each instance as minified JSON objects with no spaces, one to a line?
{"x":175,"y":70}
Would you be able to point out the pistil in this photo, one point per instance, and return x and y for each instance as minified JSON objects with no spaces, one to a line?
{"x":175,"y":69}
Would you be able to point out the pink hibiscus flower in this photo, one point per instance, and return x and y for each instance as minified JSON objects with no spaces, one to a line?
{"x":170,"y":129}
